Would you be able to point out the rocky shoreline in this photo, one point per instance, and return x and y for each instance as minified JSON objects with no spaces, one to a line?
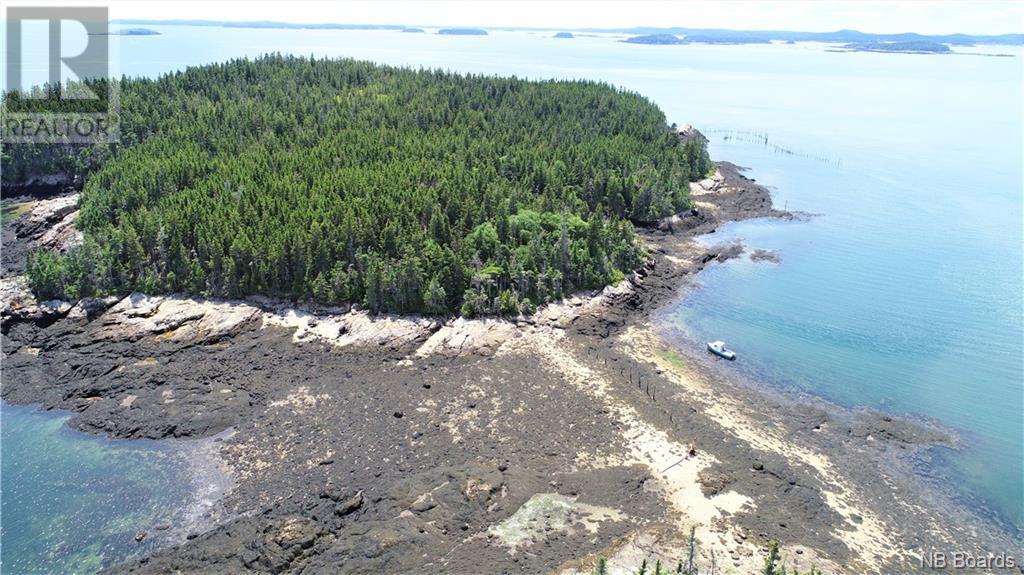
{"x":393,"y":444}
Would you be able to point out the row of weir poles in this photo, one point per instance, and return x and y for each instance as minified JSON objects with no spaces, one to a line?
{"x":641,"y":384}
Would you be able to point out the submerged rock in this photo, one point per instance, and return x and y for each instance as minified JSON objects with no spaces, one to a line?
{"x":760,"y":255}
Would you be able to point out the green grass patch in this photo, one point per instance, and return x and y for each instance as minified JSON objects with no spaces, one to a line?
{"x":673,"y":358}
{"x":12,"y":212}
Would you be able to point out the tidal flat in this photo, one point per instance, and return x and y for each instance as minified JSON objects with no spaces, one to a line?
{"x":395,"y":444}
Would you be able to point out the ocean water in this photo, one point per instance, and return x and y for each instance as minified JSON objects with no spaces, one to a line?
{"x":903,"y":294}
{"x":73,"y":503}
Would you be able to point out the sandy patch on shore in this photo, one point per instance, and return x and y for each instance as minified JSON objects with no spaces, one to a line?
{"x":872,"y":540}
{"x":675,"y":473}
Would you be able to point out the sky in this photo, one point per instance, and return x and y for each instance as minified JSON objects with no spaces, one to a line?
{"x":925,"y":17}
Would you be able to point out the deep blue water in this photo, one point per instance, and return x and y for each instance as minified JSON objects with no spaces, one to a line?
{"x":904,"y":294}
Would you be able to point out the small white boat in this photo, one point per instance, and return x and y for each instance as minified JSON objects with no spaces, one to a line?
{"x":718,"y":348}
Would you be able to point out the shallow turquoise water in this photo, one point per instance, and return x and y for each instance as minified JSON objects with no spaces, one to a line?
{"x":904,"y":294}
{"x":72,"y":502}
{"x":866,"y":312}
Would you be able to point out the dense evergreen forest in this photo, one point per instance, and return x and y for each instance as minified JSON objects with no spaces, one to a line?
{"x":342,"y":181}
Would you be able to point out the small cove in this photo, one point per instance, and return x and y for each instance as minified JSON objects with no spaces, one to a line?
{"x":74,"y":502}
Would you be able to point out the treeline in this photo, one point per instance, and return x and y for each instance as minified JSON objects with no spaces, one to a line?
{"x":20,"y":162}
{"x":341,"y":181}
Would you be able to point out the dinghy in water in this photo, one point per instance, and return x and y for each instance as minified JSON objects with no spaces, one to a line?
{"x":718,"y":348}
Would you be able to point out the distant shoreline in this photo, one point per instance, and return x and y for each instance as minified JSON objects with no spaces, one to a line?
{"x":129,"y":32}
{"x":713,"y":35}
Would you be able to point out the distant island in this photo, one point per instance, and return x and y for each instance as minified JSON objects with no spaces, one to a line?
{"x":665,"y":39}
{"x":916,"y":47}
{"x":839,"y":36}
{"x":462,"y":32}
{"x":564,"y":35}
{"x":723,"y":39}
{"x":130,"y":32}
{"x":413,"y":30}
{"x":265,"y":24}
{"x":136,"y":32}
{"x":706,"y":34}
{"x":660,"y":39}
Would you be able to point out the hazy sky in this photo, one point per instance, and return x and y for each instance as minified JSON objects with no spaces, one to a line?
{"x":926,"y":17}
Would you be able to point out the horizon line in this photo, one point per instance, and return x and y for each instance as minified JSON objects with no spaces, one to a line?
{"x":634,"y":29}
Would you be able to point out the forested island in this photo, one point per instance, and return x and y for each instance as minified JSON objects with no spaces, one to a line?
{"x":655,"y":39}
{"x":839,"y":36}
{"x":914,"y":47}
{"x":342,"y":182}
{"x":710,"y":35}
{"x":723,"y":39}
{"x":413,"y":30}
{"x":669,"y":39}
{"x":581,"y":436}
{"x":564,"y":35}
{"x":135,"y":32}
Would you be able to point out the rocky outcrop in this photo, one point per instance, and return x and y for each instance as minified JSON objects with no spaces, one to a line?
{"x":466,"y":337}
{"x":41,"y":186}
{"x":708,"y":185}
{"x":91,"y":307}
{"x":18,"y":304}
{"x":185,"y":319}
{"x":355,"y":328}
{"x":62,"y":236}
{"x":688,"y":133}
{"x":175,"y":318}
{"x":15,"y":296}
{"x":47,"y":224}
{"x":728,"y":195}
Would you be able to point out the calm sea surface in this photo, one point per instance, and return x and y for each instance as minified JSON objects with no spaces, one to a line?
{"x":904,"y":294}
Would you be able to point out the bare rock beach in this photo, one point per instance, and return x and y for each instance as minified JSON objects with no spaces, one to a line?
{"x":399,"y":444}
